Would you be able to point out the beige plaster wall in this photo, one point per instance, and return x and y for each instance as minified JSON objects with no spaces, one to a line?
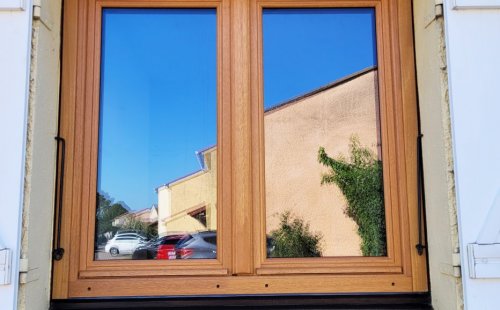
{"x":34,"y":290}
{"x":293,"y":135}
{"x":441,"y":217}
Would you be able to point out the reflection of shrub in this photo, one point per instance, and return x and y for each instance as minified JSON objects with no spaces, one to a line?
{"x":107,"y":211}
{"x":360,"y":180}
{"x":293,"y":238}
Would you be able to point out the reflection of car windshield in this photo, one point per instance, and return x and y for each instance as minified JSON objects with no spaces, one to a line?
{"x":173,"y":239}
{"x":129,"y":238}
{"x":184,"y":240}
{"x":211,"y":239}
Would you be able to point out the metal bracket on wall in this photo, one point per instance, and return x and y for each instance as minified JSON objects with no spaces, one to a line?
{"x":484,"y":260}
{"x":484,"y":254}
{"x":476,"y":4}
{"x":5,"y":265}
{"x":12,"y":5}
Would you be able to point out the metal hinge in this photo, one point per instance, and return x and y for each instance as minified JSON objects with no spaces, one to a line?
{"x":438,"y":9}
{"x":27,"y":274}
{"x":454,"y":269}
{"x":438,"y":12}
{"x":37,"y":9}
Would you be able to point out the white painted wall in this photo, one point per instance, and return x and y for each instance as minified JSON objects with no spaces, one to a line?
{"x":15,"y":38}
{"x":473,"y":44}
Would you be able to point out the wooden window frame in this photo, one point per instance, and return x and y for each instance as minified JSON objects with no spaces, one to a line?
{"x":241,"y":266}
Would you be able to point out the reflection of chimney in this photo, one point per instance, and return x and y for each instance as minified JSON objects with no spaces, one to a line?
{"x":164,"y":207}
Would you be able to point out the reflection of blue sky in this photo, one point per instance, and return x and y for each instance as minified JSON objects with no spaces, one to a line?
{"x":158,"y":99}
{"x":308,"y":48}
{"x":158,"y":93}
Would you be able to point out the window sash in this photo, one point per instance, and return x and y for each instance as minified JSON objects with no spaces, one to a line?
{"x":241,"y":203}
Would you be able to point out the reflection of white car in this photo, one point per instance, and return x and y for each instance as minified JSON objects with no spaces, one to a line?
{"x":124,"y":244}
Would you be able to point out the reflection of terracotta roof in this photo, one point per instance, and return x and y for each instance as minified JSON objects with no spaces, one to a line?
{"x":192,"y":210}
{"x":197,"y":209}
{"x":333,"y":84}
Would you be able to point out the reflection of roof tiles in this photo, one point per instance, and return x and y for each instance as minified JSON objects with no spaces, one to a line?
{"x":338,"y":82}
{"x":348,"y":78}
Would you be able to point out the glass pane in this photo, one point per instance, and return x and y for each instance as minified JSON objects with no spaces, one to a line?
{"x":323,"y":163}
{"x":157,"y":158}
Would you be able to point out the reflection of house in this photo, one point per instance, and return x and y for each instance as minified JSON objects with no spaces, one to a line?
{"x":294,"y":131}
{"x":148,"y":216}
{"x":189,"y":203}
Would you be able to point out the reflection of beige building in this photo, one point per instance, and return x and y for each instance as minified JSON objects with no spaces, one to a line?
{"x":189,"y":203}
{"x":294,"y":131}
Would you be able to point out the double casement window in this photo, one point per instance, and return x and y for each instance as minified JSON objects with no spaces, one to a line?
{"x":237,"y":147}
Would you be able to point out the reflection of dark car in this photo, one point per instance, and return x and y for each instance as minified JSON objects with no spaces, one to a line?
{"x":204,"y":245}
{"x":198,"y":245}
{"x":161,"y":248}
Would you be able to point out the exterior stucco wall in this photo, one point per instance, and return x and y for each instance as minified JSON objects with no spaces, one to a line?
{"x":34,"y":289}
{"x":293,"y":135}
{"x":441,"y":217}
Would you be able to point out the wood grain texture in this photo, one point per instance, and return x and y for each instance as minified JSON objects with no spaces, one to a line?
{"x":393,"y":146}
{"x":300,"y":284}
{"x":409,"y":97}
{"x":68,"y":91}
{"x":241,"y":142}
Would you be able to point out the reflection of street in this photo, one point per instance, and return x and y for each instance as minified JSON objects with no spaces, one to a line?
{"x":101,"y":255}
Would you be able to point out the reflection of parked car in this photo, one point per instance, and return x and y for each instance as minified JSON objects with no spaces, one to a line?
{"x":124,"y":243}
{"x":161,"y":248}
{"x":130,"y":232}
{"x":204,"y":245}
{"x":198,"y":245}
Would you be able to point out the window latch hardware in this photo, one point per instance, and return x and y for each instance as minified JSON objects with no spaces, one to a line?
{"x":58,"y":252}
{"x":421,"y":196}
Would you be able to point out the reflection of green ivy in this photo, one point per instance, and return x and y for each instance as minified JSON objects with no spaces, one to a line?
{"x":360,"y":180}
{"x":293,"y":239}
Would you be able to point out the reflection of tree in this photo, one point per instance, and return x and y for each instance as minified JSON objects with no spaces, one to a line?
{"x":293,"y":239}
{"x":106,"y":212}
{"x":145,"y":229}
{"x":360,"y":180}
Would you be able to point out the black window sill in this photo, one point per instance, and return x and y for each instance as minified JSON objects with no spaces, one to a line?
{"x":344,"y":301}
